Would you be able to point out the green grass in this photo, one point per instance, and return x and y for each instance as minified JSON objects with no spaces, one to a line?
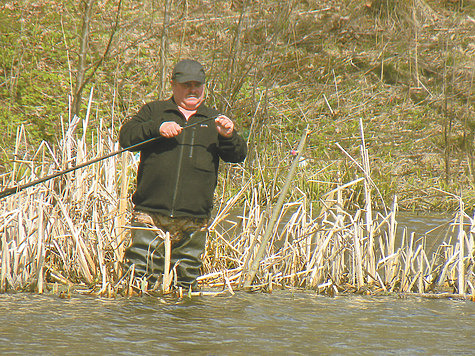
{"x":284,"y":71}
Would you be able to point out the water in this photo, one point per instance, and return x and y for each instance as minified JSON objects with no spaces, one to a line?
{"x":284,"y":322}
{"x":432,"y":230}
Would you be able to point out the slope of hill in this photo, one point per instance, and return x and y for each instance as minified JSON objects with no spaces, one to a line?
{"x":404,"y":68}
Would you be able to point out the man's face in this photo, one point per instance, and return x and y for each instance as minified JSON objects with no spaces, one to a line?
{"x":188,"y":95}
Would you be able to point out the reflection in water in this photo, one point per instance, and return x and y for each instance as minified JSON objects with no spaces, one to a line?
{"x":280,"y":323}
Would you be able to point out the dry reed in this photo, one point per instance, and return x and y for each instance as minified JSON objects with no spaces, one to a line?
{"x":72,"y":232}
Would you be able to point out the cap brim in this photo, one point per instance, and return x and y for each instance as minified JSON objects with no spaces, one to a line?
{"x":183,"y":78}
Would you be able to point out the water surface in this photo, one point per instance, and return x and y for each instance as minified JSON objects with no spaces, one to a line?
{"x":284,"y":322}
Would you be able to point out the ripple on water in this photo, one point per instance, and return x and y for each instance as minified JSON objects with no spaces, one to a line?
{"x":281,"y":322}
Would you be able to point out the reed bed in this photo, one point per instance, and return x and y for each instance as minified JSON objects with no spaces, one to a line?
{"x":71,"y":232}
{"x":341,"y":252}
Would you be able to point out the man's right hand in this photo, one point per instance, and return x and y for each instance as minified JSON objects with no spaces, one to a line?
{"x":170,"y":129}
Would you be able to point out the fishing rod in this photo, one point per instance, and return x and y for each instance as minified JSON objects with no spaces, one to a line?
{"x":13,"y":190}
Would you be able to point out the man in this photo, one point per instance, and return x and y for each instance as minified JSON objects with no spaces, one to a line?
{"x":177,"y":175}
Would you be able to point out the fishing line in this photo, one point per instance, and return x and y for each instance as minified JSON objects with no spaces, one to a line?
{"x":13,"y":190}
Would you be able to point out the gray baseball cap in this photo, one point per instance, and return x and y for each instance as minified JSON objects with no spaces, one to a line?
{"x":188,"y":70}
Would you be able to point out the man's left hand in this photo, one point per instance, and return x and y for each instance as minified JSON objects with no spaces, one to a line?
{"x":224,"y":125}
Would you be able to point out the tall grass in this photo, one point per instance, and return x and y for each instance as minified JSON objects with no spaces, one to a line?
{"x":72,"y":232}
{"x":66,"y":230}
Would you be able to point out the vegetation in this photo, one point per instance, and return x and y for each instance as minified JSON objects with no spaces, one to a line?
{"x":70,"y":234}
{"x":404,"y":67}
{"x":388,"y":81}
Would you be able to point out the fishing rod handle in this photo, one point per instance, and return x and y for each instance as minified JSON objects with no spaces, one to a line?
{"x":9,"y":191}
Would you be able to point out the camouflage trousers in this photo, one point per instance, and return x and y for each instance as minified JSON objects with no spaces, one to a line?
{"x":147,"y":249}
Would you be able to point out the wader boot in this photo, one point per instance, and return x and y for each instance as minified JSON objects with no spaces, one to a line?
{"x":147,"y":252}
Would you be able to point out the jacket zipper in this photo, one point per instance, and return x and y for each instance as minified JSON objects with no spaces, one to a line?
{"x":178,"y":175}
{"x":192,"y":142}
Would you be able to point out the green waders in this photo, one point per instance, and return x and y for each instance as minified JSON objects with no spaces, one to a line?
{"x":147,"y":250}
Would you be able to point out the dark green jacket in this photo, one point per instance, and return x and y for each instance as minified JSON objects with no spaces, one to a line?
{"x":177,"y":176}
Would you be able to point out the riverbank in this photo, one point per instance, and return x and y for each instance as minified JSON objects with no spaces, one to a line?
{"x":405,"y":69}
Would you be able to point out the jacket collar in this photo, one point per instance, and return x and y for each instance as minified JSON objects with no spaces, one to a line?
{"x":203,"y":110}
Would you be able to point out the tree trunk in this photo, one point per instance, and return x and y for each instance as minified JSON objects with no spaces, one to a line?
{"x":81,"y":68}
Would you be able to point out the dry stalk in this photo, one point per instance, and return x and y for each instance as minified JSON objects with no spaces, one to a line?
{"x":71,"y":231}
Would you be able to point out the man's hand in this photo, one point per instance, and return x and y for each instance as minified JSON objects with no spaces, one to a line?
{"x":224,"y":125}
{"x":170,"y":129}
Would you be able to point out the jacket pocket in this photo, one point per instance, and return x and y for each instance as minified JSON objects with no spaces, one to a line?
{"x":204,"y":149}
